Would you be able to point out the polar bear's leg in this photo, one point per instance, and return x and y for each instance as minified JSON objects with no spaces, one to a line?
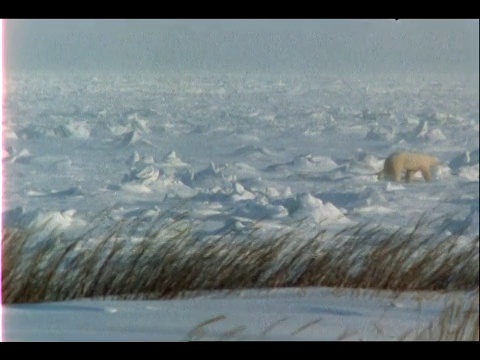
{"x":409,"y":176}
{"x":426,"y":174}
{"x":397,"y":171}
{"x":398,"y":176}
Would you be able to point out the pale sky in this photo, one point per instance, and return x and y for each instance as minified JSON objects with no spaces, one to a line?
{"x":244,"y":45}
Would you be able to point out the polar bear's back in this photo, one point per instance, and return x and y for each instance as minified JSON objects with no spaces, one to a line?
{"x":418,"y":161}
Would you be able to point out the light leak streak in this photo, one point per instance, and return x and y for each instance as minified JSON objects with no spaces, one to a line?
{"x":1,"y":171}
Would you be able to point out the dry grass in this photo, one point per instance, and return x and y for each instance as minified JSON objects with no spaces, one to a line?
{"x":169,"y":260}
{"x":199,"y":330}
{"x":459,"y":321}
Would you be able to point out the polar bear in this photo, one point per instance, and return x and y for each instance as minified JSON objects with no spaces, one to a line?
{"x":398,"y":163}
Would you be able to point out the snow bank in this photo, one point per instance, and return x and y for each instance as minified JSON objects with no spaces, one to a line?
{"x":352,"y":200}
{"x":364,"y":162}
{"x":305,"y":163}
{"x":133,"y":124}
{"x":171,"y":162}
{"x":384,"y":133}
{"x":470,"y":173}
{"x":34,"y":132}
{"x":251,"y":150}
{"x":79,"y":130}
{"x":466,"y":159}
{"x":258,"y":208}
{"x":207,"y":178}
{"x":310,"y":207}
{"x":46,"y":223}
{"x":147,"y":176}
{"x":435,"y":135}
{"x":132,"y":137}
{"x":22,"y":156}
{"x":466,"y":226}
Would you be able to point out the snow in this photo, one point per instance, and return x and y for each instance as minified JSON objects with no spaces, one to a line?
{"x":289,"y":314}
{"x":233,"y":150}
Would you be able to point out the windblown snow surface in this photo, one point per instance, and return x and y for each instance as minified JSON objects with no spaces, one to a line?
{"x":232,"y":149}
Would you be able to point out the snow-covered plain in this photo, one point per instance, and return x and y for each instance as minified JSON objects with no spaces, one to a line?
{"x":236,"y":146}
{"x":232,"y":149}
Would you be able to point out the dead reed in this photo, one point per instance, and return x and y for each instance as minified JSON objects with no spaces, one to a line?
{"x":169,"y":260}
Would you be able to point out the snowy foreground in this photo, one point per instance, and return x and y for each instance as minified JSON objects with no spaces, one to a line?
{"x":232,"y":150}
{"x":280,"y":314}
